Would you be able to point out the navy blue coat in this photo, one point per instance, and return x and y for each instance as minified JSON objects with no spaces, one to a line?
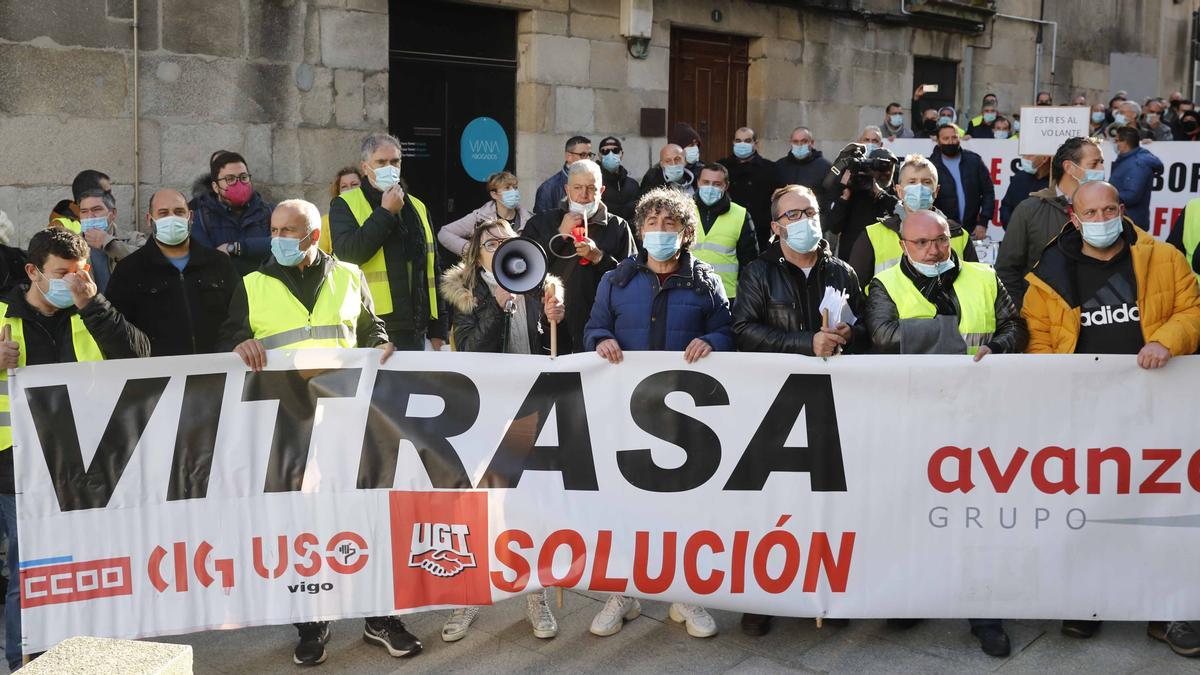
{"x":979,"y":190}
{"x":214,"y":223}
{"x":631,"y":308}
{"x":1020,"y":186}
{"x":1132,"y":174}
{"x":551,"y":192}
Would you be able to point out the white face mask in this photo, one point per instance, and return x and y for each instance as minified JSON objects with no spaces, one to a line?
{"x":585,"y":210}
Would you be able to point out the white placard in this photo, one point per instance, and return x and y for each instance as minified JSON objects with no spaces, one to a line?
{"x":1044,"y":128}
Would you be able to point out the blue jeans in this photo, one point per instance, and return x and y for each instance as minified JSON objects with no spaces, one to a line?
{"x":12,"y":601}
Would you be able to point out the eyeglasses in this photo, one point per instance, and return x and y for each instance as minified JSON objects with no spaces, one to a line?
{"x":492,"y":244}
{"x":796,"y":214}
{"x":226,"y":181}
{"x":940,"y":242}
{"x":582,"y":155}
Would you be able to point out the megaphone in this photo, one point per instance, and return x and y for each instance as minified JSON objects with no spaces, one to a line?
{"x":519,"y":265}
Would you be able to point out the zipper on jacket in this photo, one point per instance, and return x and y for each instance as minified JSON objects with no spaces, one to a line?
{"x":187,"y":308}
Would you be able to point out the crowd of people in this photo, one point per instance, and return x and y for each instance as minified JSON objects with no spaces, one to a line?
{"x":698,"y":256}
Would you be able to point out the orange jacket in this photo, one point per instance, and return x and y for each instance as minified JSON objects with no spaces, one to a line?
{"x":1168,"y":298}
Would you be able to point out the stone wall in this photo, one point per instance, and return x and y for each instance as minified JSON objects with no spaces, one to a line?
{"x":291,"y":84}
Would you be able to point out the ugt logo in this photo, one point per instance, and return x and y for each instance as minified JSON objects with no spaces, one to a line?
{"x":440,"y":549}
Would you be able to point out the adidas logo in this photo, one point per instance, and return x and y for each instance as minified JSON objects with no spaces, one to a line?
{"x":1107,"y":315}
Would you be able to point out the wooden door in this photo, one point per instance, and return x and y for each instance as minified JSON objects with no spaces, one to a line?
{"x":708,"y":87}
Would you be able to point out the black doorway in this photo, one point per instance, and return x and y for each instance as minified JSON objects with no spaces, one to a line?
{"x":941,"y":72}
{"x":450,"y":64}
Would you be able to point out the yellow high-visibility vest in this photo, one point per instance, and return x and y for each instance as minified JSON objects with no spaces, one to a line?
{"x":1191,"y":231}
{"x":279,"y":321}
{"x":67,"y":223}
{"x":376,"y":269}
{"x":888,"y":252}
{"x":975,"y":287}
{"x":718,"y":246}
{"x":82,"y":341}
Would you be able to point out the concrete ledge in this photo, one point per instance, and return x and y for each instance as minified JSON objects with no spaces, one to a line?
{"x":89,"y":655}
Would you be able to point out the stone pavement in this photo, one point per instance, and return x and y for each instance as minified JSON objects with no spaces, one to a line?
{"x":500,"y":641}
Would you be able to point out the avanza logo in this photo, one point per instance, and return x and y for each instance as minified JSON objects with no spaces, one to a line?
{"x":52,"y":581}
{"x":433,"y":562}
{"x":440,"y":548}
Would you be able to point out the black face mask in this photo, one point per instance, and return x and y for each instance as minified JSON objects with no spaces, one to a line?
{"x":950,"y":150}
{"x":930,"y":126}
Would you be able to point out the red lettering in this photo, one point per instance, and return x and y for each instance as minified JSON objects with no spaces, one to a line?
{"x":600,"y":579}
{"x":1097,"y":457}
{"x":837,"y":570}
{"x":699,"y":585}
{"x":154,"y":569}
{"x":305,"y":546}
{"x":1193,"y":472}
{"x":257,"y":556}
{"x":963,"y":457}
{"x":738,"y":573}
{"x":641,"y":561}
{"x":1066,"y":459}
{"x":572,"y":540}
{"x":1002,"y":481}
{"x":512,"y":560}
{"x":791,"y":562}
{"x":1166,"y":458}
{"x":181,"y":573}
{"x":995,"y":169}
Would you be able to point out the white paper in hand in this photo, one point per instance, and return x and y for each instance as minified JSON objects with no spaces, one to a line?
{"x":836,"y":301}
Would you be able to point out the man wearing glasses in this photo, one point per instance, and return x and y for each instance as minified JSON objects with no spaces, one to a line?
{"x":550,"y":192}
{"x":234,"y":218}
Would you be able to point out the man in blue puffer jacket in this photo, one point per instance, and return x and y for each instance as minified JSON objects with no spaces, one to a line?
{"x":1132,"y":175}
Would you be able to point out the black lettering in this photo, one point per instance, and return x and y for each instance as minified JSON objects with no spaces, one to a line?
{"x":297,"y":392}
{"x":562,"y":392}
{"x":1194,"y":185}
{"x":75,"y":487}
{"x":651,"y":414}
{"x":196,"y":436}
{"x":1177,"y":178}
{"x":388,"y":423}
{"x":822,"y":459}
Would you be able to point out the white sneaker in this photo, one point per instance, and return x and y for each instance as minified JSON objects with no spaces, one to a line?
{"x":696,"y":619}
{"x":540,"y":617}
{"x":616,"y":612}
{"x":456,"y":626}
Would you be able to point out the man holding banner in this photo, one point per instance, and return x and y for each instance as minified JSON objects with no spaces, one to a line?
{"x":74,"y":323}
{"x":304,"y":298}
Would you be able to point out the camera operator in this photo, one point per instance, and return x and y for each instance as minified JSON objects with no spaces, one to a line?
{"x":862,"y":182}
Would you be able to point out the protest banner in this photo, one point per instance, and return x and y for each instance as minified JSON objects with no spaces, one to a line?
{"x":171,"y":495}
{"x":1044,"y":128}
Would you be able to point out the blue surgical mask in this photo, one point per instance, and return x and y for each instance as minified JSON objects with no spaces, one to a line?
{"x":1120,"y":119}
{"x":1103,"y":233}
{"x":709,"y":194}
{"x":59,"y":294}
{"x":1091,"y":175}
{"x":673,"y":172}
{"x":871,"y":147}
{"x":743,"y":150}
{"x":918,"y":197}
{"x":800,"y":150}
{"x":1027,"y":166}
{"x":386,"y":176}
{"x":1016,"y":124}
{"x":662,"y":246}
{"x":97,"y":223}
{"x":804,"y":235}
{"x":171,"y":230}
{"x":287,"y":250}
{"x":510,"y":198}
{"x":1097,"y":117}
{"x":935,"y":269}
{"x":896,"y":120}
{"x":1000,"y":134}
{"x":611,"y":161}
{"x":944,"y":120}
{"x":989,"y":117}
{"x":691,"y":154}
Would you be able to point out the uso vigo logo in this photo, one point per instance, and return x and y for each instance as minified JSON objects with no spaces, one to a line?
{"x":51,"y":581}
{"x":439,"y":549}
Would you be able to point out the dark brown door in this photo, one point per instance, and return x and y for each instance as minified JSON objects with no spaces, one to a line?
{"x":708,"y":87}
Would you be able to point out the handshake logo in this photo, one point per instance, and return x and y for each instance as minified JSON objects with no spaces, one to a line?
{"x":440,"y":548}
{"x":1107,"y":315}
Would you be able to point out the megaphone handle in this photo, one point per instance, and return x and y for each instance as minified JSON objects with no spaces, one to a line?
{"x":553,"y":339}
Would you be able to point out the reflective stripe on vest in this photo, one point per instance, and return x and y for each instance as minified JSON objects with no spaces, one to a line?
{"x":375,"y":270}
{"x":975,"y":288}
{"x":280,"y":321}
{"x":885,"y":242}
{"x":67,"y":223}
{"x":718,"y":246}
{"x":1191,"y":232}
{"x":82,"y":342}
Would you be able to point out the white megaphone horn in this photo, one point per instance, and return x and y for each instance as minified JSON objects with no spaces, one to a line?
{"x":520,"y":266}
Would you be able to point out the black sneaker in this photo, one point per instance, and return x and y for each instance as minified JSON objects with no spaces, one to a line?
{"x":993,"y":640}
{"x":389,"y":632}
{"x":310,"y":651}
{"x":1180,"y":636}
{"x":1080,"y":629}
{"x":756,"y":625}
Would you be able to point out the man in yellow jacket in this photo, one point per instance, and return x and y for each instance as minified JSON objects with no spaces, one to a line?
{"x":1104,"y":286}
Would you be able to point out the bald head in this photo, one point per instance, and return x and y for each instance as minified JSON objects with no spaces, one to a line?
{"x":167,"y":200}
{"x":1093,"y":199}
{"x":670,"y":155}
{"x":745,"y":135}
{"x":925,"y":236}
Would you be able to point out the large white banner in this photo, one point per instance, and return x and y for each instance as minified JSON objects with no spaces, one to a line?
{"x":1171,"y":190}
{"x":170,"y":495}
